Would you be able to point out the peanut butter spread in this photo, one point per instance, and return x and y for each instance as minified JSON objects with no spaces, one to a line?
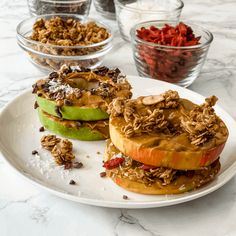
{"x":169,"y":122}
{"x":84,"y":87}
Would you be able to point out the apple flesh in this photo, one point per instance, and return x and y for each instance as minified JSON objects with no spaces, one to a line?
{"x":72,"y":112}
{"x":82,"y":133}
{"x":153,"y":155}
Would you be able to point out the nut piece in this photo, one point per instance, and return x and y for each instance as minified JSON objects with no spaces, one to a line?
{"x":49,"y":141}
{"x":153,"y":99}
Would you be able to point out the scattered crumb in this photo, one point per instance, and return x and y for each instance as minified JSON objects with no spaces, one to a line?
{"x":68,"y":165}
{"x":103,"y":174}
{"x":87,"y":156}
{"x":77,"y":165}
{"x":34,"y":152}
{"x":72,"y":182}
{"x":125,"y":197}
{"x":98,"y":153}
{"x":41,"y":129}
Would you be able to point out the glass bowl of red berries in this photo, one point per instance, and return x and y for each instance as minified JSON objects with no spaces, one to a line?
{"x":170,"y":51}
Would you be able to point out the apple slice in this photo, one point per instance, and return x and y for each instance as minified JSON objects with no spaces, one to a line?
{"x":160,"y":150}
{"x":86,"y":131}
{"x":182,"y":183}
{"x":71,"y":112}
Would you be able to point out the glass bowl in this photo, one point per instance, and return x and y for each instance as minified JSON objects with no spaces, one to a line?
{"x":132,"y":12}
{"x":106,"y":8}
{"x":173,"y":64}
{"x":50,"y":57}
{"x":41,"y":7}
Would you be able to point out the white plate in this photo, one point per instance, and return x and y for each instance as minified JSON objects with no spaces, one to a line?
{"x":19,"y":136}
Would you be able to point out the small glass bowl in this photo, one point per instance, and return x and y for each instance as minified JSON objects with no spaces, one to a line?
{"x":42,"y":7}
{"x":132,"y":12}
{"x":178,"y":65}
{"x":106,"y":8}
{"x":49,"y":57}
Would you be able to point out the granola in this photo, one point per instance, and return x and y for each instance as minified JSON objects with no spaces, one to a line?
{"x":144,"y":115}
{"x":64,"y":37}
{"x":62,"y":152}
{"x":67,"y":32}
{"x":202,"y":123}
{"x":148,"y":175}
{"x":49,"y":141}
{"x":61,"y":149}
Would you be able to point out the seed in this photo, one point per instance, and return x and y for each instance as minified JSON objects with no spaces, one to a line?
{"x":72,"y":182}
{"x":125,"y":197}
{"x":41,"y":129}
{"x":98,"y":153}
{"x":34,"y":152}
{"x":103,"y":174}
{"x":77,"y":165}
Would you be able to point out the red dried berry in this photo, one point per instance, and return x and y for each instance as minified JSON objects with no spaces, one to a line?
{"x":170,"y":65}
{"x":113,"y":163}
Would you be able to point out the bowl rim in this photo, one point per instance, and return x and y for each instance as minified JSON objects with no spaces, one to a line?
{"x":134,"y":37}
{"x":180,"y":2}
{"x":64,"y":1}
{"x":89,"y":56}
{"x":20,"y":36}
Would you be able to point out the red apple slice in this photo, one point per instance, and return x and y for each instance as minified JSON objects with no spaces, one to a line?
{"x":163,"y":151}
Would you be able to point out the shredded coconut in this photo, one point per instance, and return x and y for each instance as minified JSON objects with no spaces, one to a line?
{"x":46,"y":166}
{"x":56,"y":86}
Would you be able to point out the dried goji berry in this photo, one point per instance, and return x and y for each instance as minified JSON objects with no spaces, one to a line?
{"x":113,"y":163}
{"x":171,"y":65}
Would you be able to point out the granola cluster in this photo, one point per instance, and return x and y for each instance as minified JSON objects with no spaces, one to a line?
{"x":49,"y":142}
{"x":68,"y":33}
{"x":62,"y":152}
{"x":145,"y":115}
{"x":202,"y":123}
{"x":60,"y":149}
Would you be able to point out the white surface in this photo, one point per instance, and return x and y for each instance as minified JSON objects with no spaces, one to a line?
{"x":26,"y":210}
{"x":18,"y":139}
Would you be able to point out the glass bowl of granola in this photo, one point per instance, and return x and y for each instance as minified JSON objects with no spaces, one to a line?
{"x":171,"y":51}
{"x":56,"y":39}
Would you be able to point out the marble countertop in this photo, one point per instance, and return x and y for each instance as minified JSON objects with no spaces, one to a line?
{"x":26,"y":210}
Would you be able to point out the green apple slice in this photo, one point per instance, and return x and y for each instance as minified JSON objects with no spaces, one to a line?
{"x":72,"y":112}
{"x":84,"y":132}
